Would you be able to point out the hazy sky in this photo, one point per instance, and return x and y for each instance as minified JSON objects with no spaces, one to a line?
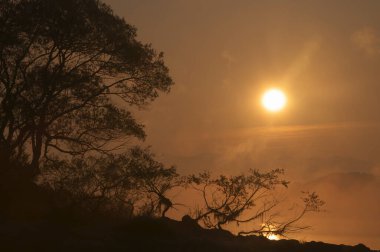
{"x":223,"y":54}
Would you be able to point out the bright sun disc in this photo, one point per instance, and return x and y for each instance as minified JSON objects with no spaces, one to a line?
{"x":273,"y":237}
{"x":274,"y":100}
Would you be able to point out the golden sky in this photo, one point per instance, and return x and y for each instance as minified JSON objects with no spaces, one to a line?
{"x":223,"y":54}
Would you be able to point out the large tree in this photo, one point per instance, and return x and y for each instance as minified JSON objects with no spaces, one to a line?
{"x":69,"y":72}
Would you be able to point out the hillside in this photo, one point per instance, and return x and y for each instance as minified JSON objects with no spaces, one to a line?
{"x":142,"y":234}
{"x":35,"y":219}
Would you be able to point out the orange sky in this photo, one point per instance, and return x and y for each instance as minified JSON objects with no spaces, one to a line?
{"x":223,"y":54}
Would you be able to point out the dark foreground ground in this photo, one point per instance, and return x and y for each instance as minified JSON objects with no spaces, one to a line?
{"x":142,"y":234}
{"x":33,"y":219}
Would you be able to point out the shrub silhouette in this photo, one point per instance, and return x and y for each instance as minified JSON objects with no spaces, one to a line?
{"x":128,"y":184}
{"x":248,"y":199}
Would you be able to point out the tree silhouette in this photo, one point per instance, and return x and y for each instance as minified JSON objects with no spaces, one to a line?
{"x":70,"y":72}
{"x":69,"y":69}
{"x":248,"y":199}
{"x":131,"y":183}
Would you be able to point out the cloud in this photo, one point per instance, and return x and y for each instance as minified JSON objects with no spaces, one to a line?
{"x":367,"y":39}
{"x":302,"y":150}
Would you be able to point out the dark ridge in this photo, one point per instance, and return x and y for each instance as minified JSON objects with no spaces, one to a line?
{"x":142,"y":234}
{"x":33,"y":219}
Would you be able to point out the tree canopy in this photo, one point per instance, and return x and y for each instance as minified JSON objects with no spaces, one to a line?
{"x":69,"y":71}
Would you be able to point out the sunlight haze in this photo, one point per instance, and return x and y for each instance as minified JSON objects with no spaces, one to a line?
{"x":222,"y":55}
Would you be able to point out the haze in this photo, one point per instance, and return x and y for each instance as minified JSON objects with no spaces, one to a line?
{"x":224,"y":54}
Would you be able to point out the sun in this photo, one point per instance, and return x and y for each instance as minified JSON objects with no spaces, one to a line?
{"x":274,"y":100}
{"x":270,"y":232}
{"x":273,"y":237}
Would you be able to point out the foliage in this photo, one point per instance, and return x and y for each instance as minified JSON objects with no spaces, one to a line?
{"x":247,"y":199}
{"x":132,"y":183}
{"x":68,"y":70}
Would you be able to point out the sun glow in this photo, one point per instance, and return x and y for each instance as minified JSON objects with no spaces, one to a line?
{"x":273,"y":237}
{"x":273,"y":100}
{"x":269,"y":231}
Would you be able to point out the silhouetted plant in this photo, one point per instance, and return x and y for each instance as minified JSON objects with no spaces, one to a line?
{"x":132,"y":182}
{"x":68,"y":70}
{"x":270,"y":226}
{"x":249,"y":200}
